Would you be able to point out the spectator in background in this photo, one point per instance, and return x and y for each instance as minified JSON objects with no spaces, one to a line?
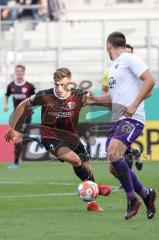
{"x":56,"y":9}
{"x":4,"y":12}
{"x":19,"y":12}
{"x":20,"y":90}
{"x":15,"y":10}
{"x":43,"y":9}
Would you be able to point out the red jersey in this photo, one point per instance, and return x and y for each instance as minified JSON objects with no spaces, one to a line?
{"x":20,"y":91}
{"x":59,"y":117}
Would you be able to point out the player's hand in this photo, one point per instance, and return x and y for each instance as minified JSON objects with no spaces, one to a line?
{"x":130,"y":110}
{"x":10,"y":134}
{"x":90,"y":98}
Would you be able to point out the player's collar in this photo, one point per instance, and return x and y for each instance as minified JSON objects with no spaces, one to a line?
{"x":60,"y":97}
{"x":19,"y":84}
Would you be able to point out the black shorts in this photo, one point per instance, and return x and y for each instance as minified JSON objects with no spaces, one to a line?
{"x":53,"y":145}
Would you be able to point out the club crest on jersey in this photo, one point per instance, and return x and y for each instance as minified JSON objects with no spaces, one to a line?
{"x":24,"y":90}
{"x":71,"y":105}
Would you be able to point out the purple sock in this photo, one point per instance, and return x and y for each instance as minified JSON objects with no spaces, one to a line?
{"x":124,"y":176}
{"x":138,"y":187}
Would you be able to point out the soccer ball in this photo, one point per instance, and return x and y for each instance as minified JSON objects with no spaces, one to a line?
{"x":88,"y":191}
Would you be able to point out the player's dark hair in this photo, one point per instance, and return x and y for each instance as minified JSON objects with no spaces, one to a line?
{"x":20,"y":66}
{"x":60,"y":73}
{"x":117,"y":39}
{"x":129,"y":46}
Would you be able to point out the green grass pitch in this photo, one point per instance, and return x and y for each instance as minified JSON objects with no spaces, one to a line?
{"x":38,"y":201}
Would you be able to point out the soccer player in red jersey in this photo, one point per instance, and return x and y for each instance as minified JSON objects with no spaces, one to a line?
{"x":60,"y":107}
{"x":20,"y":90}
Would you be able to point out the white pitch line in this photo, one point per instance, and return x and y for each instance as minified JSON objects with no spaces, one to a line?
{"x":114,"y":188}
{"x":38,"y":195}
{"x":45,"y":195}
{"x":65,"y":184}
{"x":50,"y":183}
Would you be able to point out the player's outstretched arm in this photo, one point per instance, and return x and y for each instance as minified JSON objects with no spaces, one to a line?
{"x":104,"y":100}
{"x":10,"y":134}
{"x":147,"y":87}
{"x":5,"y":103}
{"x":145,"y":91}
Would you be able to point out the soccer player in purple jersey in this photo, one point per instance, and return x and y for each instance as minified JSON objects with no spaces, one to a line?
{"x":60,"y":107}
{"x":130,"y":82}
{"x":20,"y":90}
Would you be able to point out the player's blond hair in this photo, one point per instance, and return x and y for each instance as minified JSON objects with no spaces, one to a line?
{"x":61,"y":73}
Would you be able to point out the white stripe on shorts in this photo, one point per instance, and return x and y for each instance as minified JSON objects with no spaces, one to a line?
{"x":131,"y":133}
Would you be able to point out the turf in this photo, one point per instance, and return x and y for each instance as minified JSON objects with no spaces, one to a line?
{"x":38,"y":202}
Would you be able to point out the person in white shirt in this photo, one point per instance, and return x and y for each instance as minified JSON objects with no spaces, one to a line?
{"x":130,"y":82}
{"x":132,"y":155}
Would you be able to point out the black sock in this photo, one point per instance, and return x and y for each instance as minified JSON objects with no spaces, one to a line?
{"x":82,"y":173}
{"x":91,"y":178}
{"x":129,"y":159}
{"x":16,"y":160}
{"x":17,"y":151}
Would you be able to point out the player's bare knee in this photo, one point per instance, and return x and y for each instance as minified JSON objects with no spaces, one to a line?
{"x":113,"y":154}
{"x":76,"y":162}
{"x":110,"y":154}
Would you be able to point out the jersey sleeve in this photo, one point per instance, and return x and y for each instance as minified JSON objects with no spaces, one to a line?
{"x":36,"y":99}
{"x":32,"y":90}
{"x":8,"y":92}
{"x":136,"y":65}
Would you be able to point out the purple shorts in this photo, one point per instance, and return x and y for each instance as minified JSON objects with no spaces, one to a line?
{"x":125,"y":130}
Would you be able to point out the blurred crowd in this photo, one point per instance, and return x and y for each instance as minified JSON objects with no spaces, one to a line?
{"x":35,"y":9}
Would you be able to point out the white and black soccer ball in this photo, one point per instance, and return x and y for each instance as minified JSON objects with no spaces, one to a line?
{"x":88,"y":191}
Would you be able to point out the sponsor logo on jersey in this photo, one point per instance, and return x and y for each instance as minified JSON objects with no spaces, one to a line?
{"x":61,"y":114}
